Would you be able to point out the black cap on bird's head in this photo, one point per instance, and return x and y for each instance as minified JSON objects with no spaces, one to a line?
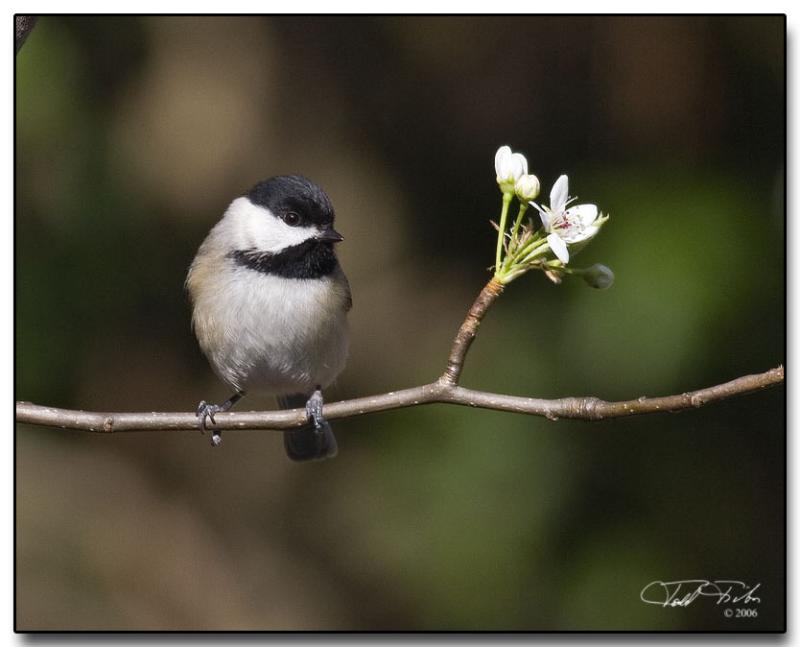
{"x":284,"y":226}
{"x":298,"y":202}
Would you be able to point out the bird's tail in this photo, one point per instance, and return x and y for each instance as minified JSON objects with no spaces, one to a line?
{"x":307,"y":443}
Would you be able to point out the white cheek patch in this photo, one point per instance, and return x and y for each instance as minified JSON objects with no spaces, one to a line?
{"x":255,"y":227}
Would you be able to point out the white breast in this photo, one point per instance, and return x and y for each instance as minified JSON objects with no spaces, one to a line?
{"x":266,"y":333}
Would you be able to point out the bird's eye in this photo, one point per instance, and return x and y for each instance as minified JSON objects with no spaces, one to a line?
{"x":291,"y":218}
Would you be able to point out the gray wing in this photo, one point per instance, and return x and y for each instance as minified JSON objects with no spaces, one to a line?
{"x":348,"y":304}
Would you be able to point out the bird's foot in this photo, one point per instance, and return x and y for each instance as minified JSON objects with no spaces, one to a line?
{"x":205,"y":412}
{"x":314,"y":410}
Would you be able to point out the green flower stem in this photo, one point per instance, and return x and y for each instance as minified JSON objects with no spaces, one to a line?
{"x":502,"y":230}
{"x":510,"y":275}
{"x":523,"y":207}
{"x":518,"y":261}
{"x":530,"y":248}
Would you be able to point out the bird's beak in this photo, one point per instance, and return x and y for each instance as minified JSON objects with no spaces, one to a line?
{"x":330,"y":235}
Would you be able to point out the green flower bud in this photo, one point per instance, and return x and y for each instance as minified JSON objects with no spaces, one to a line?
{"x":599,"y":276}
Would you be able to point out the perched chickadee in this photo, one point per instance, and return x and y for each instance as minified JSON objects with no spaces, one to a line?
{"x":270,"y":304}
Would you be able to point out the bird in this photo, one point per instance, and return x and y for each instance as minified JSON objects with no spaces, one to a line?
{"x":269,"y":305}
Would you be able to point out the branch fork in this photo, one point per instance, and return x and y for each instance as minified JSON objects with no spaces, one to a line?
{"x":445,"y":390}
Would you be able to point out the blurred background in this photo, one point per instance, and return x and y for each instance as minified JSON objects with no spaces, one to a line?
{"x":132,"y":136}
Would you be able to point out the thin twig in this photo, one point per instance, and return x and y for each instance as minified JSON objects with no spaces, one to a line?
{"x":466,"y":334}
{"x":575,"y":408}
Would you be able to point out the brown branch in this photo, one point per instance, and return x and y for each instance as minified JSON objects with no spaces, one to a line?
{"x":576,"y":408}
{"x":23,"y":25}
{"x":443,"y":390}
{"x":466,"y":334}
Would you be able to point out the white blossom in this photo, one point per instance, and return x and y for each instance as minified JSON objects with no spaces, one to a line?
{"x":567,"y":226}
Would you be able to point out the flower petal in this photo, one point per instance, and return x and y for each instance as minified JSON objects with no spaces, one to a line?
{"x":520,"y":165}
{"x":577,"y":235}
{"x":587,"y":213}
{"x":559,"y":248}
{"x":500,"y":157}
{"x":544,"y":215}
{"x":558,"y":194}
{"x":582,"y":235}
{"x":590,"y":232}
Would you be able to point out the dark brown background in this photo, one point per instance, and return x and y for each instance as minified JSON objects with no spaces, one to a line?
{"x":133,"y":134}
